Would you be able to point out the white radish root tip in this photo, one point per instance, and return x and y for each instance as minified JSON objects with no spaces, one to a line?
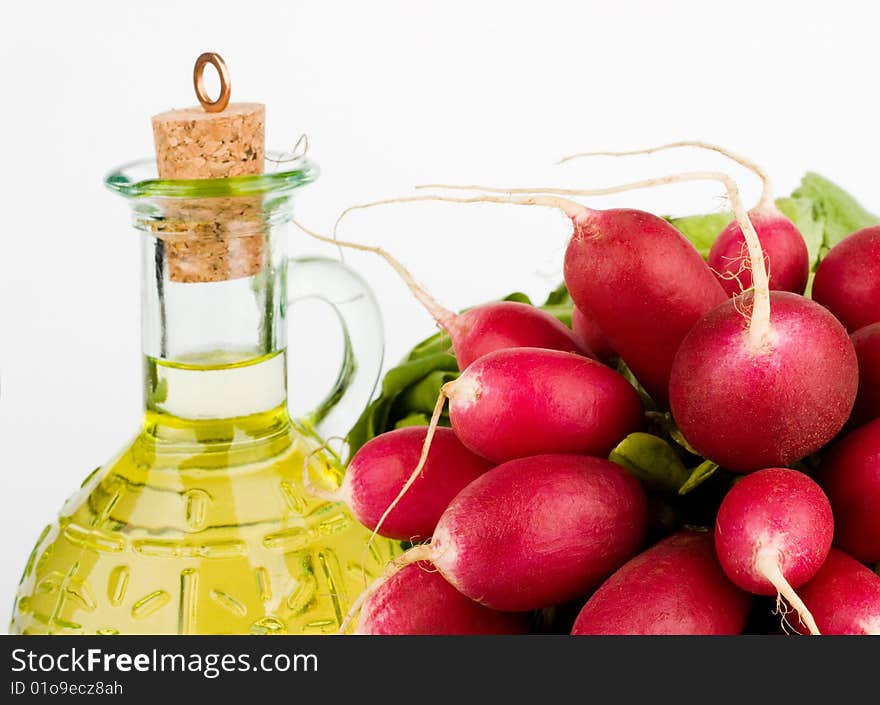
{"x":767,"y":564}
{"x":444,"y":317}
{"x":759,"y":322}
{"x":766,"y":200}
{"x":413,"y":555}
{"x":570,"y":208}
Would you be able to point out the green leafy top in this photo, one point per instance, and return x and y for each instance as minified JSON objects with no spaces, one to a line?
{"x":838,"y":212}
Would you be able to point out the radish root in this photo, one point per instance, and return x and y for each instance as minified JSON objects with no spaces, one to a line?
{"x":766,"y":200}
{"x":571,"y":208}
{"x":444,"y":317}
{"x":423,"y":458}
{"x":413,"y":555}
{"x":767,"y":564}
{"x":759,"y":321}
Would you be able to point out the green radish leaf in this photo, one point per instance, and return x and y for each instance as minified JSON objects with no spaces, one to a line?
{"x":437,"y":343}
{"x":801,"y":212}
{"x":679,"y":438}
{"x":559,"y":304}
{"x":421,"y":396}
{"x":558,"y":297}
{"x":384,"y":412}
{"x":413,"y":419}
{"x":652,"y":460}
{"x":840,"y":213}
{"x":665,"y":421}
{"x":702,"y":230}
{"x":519,"y":297}
{"x":560,"y":311}
{"x":627,"y":374}
{"x":403,"y":376}
{"x":698,"y":476}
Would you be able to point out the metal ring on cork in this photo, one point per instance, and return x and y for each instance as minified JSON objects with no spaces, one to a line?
{"x":212,"y":106}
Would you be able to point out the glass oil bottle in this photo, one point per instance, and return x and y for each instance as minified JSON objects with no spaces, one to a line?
{"x":202,"y":525}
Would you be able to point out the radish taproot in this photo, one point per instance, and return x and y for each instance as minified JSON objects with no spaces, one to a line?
{"x":533,"y":532}
{"x":844,"y":596}
{"x":675,"y":587}
{"x":483,"y":329}
{"x":772,"y":534}
{"x":847,"y":281}
{"x":866,"y":341}
{"x":850,"y":476}
{"x":418,"y":600}
{"x":784,"y":247}
{"x":379,"y":469}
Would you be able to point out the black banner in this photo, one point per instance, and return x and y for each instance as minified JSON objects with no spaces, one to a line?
{"x":460,"y":669}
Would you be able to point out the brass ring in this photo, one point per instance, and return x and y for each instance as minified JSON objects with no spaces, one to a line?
{"x":211,"y":106}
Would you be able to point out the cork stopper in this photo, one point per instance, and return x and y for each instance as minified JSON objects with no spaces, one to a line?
{"x":194,"y":144}
{"x":206,"y":240}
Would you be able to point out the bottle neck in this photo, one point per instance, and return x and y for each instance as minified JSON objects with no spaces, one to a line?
{"x":214,"y":349}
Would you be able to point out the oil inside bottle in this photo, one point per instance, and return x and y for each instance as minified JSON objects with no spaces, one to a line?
{"x":202,"y":523}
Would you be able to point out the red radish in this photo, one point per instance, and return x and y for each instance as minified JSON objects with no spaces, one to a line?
{"x":850,"y":475}
{"x":848,"y":279}
{"x":772,"y":534}
{"x":379,"y":469}
{"x":753,"y":385}
{"x":539,"y":531}
{"x":675,"y":587}
{"x":844,"y":596}
{"x":528,"y":401}
{"x":643,"y":284}
{"x":483,"y":329}
{"x":631,"y":272}
{"x":417,"y":600}
{"x":747,"y":404}
{"x":645,"y":280}
{"x":589,"y":335}
{"x":504,"y":325}
{"x":867,"y":344}
{"x":784,"y":247}
{"x":785,"y":251}
{"x":781,"y":373}
{"x":533,"y":532}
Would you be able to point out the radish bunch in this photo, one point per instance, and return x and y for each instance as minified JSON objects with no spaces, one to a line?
{"x":763,"y":428}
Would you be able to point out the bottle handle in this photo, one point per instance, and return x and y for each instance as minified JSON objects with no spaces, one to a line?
{"x":352,"y":300}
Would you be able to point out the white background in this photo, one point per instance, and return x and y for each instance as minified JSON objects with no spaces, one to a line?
{"x":391,"y":94}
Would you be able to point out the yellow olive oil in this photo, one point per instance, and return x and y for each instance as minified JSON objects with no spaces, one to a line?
{"x":203,"y":525}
